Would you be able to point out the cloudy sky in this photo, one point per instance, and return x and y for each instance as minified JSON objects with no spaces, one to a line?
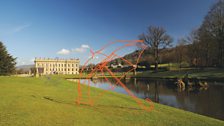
{"x":70,"y":28}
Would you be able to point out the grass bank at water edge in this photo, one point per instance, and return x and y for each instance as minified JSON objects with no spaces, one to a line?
{"x":50,"y":101}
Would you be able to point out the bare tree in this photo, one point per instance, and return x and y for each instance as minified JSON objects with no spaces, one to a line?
{"x":212,"y":31}
{"x":157,"y":39}
{"x":180,"y":51}
{"x":193,"y":41}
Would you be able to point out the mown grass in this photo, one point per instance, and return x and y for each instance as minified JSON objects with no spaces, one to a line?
{"x":86,"y":75}
{"x":50,"y":101}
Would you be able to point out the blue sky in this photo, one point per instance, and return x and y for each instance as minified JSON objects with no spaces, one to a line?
{"x":68,"y":28}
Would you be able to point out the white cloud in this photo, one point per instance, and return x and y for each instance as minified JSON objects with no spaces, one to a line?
{"x":22,"y":61}
{"x":64,"y":52}
{"x":9,"y":29}
{"x":85,"y":46}
{"x":81,"y":49}
{"x":32,"y":60}
{"x":95,"y":57}
{"x":20,"y":28}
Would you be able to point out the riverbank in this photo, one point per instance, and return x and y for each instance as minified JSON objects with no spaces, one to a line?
{"x":213,"y":74}
{"x":83,"y":76}
{"x":208,"y":74}
{"x":50,"y":101}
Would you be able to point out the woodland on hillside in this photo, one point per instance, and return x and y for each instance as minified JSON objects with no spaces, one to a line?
{"x":203,"y":47}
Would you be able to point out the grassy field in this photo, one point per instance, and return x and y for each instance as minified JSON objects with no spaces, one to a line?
{"x":50,"y":101}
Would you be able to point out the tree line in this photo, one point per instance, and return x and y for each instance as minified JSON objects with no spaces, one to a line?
{"x":203,"y":47}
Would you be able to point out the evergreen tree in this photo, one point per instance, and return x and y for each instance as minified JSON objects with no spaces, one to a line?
{"x":7,"y":62}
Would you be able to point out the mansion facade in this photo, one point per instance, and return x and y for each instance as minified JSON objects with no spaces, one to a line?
{"x":46,"y":66}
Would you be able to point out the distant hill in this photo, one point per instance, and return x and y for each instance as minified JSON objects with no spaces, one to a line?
{"x":165,"y":56}
{"x":132,"y":57}
{"x":24,"y":67}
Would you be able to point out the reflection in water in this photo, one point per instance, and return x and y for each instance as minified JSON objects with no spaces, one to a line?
{"x":207,"y":101}
{"x":156,"y":92}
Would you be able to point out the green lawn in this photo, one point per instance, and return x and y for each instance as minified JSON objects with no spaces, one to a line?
{"x":50,"y":101}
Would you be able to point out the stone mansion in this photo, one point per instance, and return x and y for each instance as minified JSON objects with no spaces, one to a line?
{"x":46,"y":66}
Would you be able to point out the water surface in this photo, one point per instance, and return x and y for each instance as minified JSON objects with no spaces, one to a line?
{"x":205,"y":101}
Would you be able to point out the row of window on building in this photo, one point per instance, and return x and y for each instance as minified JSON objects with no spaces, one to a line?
{"x":55,"y":72}
{"x":56,"y":65}
{"x":61,"y":69}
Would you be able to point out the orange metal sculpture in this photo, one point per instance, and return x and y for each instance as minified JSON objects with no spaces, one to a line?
{"x":102,"y":68}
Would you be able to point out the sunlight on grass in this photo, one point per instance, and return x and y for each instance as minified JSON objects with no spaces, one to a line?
{"x":50,"y":101}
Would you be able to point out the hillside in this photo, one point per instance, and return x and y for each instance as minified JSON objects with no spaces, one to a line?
{"x":166,"y":56}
